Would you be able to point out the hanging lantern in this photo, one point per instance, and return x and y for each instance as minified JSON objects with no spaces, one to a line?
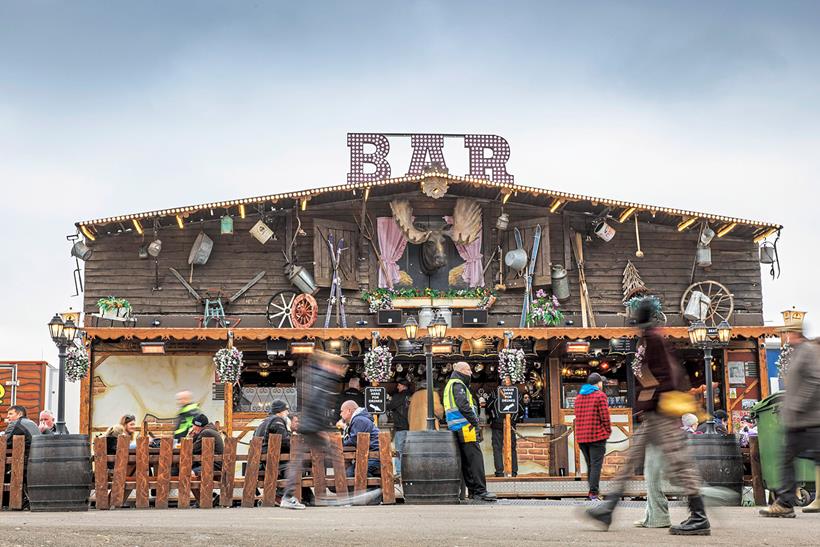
{"x":226,"y":225}
{"x":767,"y":253}
{"x":503,"y":221}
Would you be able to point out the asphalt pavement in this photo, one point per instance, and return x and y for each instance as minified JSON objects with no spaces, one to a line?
{"x":509,"y":523}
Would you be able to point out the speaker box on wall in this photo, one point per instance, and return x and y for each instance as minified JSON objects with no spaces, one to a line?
{"x":389,"y":317}
{"x":475,"y":318}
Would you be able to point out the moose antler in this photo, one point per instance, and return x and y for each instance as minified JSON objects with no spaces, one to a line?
{"x":466,"y":225}
{"x":403,"y":214}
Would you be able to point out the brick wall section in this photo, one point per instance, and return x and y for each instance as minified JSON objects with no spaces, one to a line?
{"x":613,"y":463}
{"x":534,"y":449}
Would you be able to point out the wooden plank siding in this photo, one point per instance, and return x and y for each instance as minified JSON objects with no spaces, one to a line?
{"x":115,"y":269}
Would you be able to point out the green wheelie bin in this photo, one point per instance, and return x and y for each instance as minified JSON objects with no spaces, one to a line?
{"x":771,"y":436}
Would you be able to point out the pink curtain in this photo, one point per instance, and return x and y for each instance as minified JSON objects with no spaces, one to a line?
{"x":391,"y":246}
{"x":471,"y":253}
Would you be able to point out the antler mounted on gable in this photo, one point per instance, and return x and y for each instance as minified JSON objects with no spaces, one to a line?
{"x":403,"y":213}
{"x":466,"y":225}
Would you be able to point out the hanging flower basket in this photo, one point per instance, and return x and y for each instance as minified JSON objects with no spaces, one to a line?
{"x":377,"y":363}
{"x":76,"y":364}
{"x":784,"y":360}
{"x":544,"y":310}
{"x":512,"y":363}
{"x":228,"y":363}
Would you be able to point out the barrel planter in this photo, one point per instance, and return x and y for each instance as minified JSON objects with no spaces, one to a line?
{"x":431,"y":468}
{"x":59,"y":473}
{"x":719,"y":460}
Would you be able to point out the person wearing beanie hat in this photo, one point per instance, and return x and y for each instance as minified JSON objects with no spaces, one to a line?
{"x":201,"y":428}
{"x":592,"y":428}
{"x":800,"y":415}
{"x":276,"y":423}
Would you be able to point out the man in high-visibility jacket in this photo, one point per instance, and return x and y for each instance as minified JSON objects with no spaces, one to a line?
{"x":462,"y":418}
{"x":188,"y":410}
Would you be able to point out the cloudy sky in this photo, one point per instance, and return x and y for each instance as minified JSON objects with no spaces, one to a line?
{"x":115,"y":107}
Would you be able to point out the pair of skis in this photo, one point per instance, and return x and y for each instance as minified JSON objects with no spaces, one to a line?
{"x":336,"y":298}
{"x":529,"y":271}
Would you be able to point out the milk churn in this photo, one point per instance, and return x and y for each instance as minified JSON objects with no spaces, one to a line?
{"x":560,"y":282}
{"x":426,"y":315}
{"x":704,"y":256}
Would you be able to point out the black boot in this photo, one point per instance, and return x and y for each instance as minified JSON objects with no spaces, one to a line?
{"x":697,"y":524}
{"x":602,"y":512}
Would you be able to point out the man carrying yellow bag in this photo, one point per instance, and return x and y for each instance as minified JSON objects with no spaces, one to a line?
{"x":659,"y":399}
{"x":462,"y":419}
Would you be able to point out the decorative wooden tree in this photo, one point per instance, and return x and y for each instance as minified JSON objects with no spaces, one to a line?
{"x":632,"y":283}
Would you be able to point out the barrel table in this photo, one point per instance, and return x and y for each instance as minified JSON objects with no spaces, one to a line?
{"x":59,"y":473}
{"x":718,"y":460}
{"x":431,"y":468}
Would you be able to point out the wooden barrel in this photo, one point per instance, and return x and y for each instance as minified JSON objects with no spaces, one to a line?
{"x":431,"y":468}
{"x":719,"y":460}
{"x":59,"y":473}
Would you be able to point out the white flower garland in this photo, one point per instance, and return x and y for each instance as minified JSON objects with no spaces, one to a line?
{"x":637,"y":362}
{"x":76,"y":364}
{"x":784,"y":360}
{"x":228,"y":363}
{"x":377,"y":364}
{"x":512,"y":363}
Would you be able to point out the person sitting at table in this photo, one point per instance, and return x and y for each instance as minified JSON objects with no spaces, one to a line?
{"x":201,"y":429}
{"x":111,"y":435}
{"x":275,"y":423}
{"x":358,"y":420}
{"x":47,"y":426}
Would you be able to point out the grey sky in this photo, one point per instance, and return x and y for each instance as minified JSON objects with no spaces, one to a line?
{"x":114,"y":107}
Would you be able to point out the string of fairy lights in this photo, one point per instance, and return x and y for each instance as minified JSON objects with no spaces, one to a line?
{"x":556,"y":202}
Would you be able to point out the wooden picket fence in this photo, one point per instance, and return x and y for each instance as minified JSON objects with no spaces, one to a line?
{"x":153,"y":473}
{"x":13,"y":469}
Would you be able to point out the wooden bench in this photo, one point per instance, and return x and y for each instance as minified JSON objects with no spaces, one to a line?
{"x":152,"y":471}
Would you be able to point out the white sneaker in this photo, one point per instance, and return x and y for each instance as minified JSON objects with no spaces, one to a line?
{"x":290,"y":502}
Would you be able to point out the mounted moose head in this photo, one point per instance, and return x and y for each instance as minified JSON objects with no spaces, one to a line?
{"x":464,"y":229}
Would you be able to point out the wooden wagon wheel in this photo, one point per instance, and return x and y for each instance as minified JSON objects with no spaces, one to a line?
{"x":279,"y":308}
{"x":722,"y":301}
{"x":304,"y":311}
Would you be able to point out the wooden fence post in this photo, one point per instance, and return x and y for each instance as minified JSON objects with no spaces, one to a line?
{"x":185,"y":466}
{"x":164,"y":472}
{"x":386,"y":466}
{"x":757,"y":473}
{"x":295,"y":447}
{"x":360,"y":475}
{"x":101,"y":473}
{"x":339,"y":475}
{"x":18,"y":458}
{"x":206,"y":484}
{"x":271,"y":470}
{"x":252,"y":473}
{"x":120,"y":470}
{"x":228,"y":472}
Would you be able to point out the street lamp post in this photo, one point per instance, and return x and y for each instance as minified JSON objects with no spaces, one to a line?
{"x":63,"y":334}
{"x":707,"y":339}
{"x":436,"y":331}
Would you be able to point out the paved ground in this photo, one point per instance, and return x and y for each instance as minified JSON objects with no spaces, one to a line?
{"x":506,"y":523}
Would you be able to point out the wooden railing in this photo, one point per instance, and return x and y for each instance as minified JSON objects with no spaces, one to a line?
{"x":153,"y":473}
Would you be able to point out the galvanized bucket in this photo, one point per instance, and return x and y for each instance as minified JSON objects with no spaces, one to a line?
{"x":301,"y":279}
{"x":767,"y":253}
{"x":201,"y":250}
{"x":704,"y":256}
{"x":697,"y":307}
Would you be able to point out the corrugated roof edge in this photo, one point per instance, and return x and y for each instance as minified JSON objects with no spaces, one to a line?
{"x":417,"y":178}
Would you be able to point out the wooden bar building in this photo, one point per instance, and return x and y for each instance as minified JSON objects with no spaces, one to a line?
{"x":441,"y":242}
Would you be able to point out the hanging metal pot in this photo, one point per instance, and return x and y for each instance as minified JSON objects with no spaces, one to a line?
{"x":154,"y":248}
{"x":698,"y":306}
{"x":767,"y":253}
{"x":560,"y":282}
{"x":603,"y":230}
{"x":81,"y":250}
{"x":703,"y":256}
{"x":516,"y":259}
{"x":706,"y":235}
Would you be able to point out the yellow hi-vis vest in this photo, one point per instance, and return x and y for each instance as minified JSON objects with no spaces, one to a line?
{"x":456,"y":421}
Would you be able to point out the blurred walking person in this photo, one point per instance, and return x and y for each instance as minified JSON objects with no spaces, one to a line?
{"x":801,"y":418}
{"x":659,"y":378}
{"x":319,"y":384}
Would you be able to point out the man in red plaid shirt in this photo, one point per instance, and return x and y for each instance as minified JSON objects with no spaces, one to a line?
{"x":592,"y":428}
